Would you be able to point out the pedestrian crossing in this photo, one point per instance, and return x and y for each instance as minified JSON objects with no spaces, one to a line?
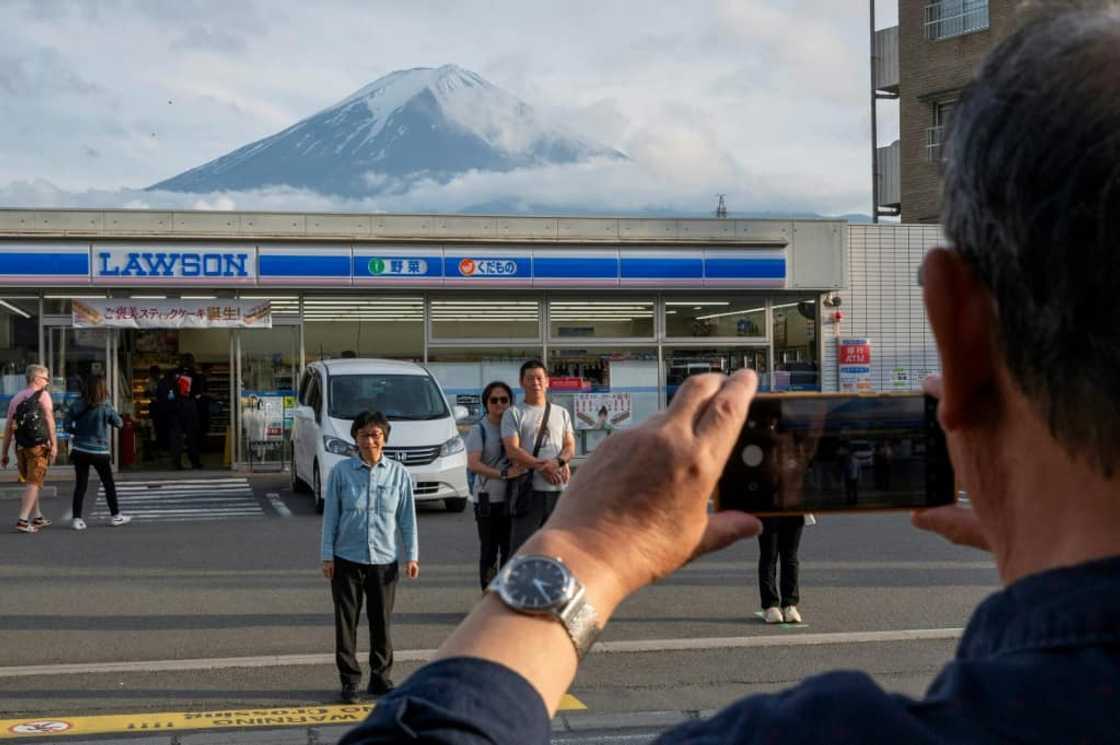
{"x":182,"y":500}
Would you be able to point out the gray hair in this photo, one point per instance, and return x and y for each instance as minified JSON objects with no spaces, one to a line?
{"x":1032,"y":202}
{"x":35,"y":370}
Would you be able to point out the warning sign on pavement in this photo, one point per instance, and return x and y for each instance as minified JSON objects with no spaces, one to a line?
{"x":302,"y":716}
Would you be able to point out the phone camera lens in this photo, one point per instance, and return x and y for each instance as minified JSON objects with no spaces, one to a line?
{"x":752,"y":456}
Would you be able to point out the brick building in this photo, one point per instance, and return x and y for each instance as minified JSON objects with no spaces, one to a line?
{"x":937,"y":46}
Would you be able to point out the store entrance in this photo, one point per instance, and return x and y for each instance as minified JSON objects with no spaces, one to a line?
{"x":174,"y":392}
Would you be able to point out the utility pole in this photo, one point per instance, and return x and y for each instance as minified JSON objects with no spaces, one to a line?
{"x":721,"y":206}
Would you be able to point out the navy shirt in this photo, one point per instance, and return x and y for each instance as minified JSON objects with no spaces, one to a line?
{"x":1039,"y":662}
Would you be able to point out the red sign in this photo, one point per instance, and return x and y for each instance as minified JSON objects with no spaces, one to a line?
{"x":854,"y":354}
{"x":568,"y":383}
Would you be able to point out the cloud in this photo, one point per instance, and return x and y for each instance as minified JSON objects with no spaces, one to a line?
{"x":207,"y":38}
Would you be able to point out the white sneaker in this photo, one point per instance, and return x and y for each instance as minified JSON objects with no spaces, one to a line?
{"x":118,"y":520}
{"x":78,"y":524}
{"x":772,"y":615}
{"x":790,"y":614}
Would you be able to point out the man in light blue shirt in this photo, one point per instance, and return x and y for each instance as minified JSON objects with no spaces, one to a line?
{"x":368,"y":500}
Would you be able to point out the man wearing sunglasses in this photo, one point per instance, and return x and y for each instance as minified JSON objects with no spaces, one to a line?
{"x":30,"y":419}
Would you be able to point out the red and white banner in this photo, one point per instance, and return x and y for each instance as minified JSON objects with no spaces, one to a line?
{"x":853,"y":363}
{"x":132,"y":313}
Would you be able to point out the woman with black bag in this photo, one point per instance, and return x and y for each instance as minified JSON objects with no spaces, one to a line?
{"x":90,"y":427}
{"x":486,"y":458}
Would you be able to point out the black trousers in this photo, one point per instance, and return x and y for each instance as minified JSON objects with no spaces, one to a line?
{"x":101,"y":464}
{"x":531,"y":517}
{"x":779,"y":539}
{"x":493,"y":524}
{"x":183,"y":425}
{"x":377,"y":583}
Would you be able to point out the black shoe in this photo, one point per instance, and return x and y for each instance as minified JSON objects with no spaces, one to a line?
{"x":379,"y":686}
{"x":349,"y":693}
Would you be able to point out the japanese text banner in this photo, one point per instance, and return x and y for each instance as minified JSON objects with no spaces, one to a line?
{"x":172,"y":314}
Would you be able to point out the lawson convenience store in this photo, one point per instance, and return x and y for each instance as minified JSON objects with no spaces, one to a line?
{"x":622,"y":311}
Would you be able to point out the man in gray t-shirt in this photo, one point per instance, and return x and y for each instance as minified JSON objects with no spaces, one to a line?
{"x":551,"y":469}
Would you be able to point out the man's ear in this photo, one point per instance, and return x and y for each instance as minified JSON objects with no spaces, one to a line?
{"x":963,"y":319}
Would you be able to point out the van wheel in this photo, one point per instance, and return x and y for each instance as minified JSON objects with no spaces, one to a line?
{"x":318,"y":489}
{"x":455,"y":504}
{"x":298,"y":485}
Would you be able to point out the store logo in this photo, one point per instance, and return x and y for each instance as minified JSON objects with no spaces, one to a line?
{"x":397,"y":267}
{"x":167,"y":264}
{"x":40,"y":727}
{"x":488,"y":267}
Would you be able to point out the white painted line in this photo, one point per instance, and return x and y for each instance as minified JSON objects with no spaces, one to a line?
{"x":278,"y":504}
{"x":424,"y":655}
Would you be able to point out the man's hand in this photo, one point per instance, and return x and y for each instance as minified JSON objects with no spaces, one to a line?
{"x":549,"y":469}
{"x":412,"y":569}
{"x":957,"y":524}
{"x":328,"y":569}
{"x":638,"y":508}
{"x":565,"y":473}
{"x":515,"y":470}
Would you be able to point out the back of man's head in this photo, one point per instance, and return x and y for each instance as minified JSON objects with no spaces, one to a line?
{"x":1032,"y":200}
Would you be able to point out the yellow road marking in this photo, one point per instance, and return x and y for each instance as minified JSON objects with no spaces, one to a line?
{"x":301,"y":716}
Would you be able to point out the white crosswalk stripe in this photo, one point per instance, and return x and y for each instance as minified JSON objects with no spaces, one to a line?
{"x":183,"y":500}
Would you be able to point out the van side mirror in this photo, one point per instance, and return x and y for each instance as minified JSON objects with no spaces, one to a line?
{"x":461,"y":412}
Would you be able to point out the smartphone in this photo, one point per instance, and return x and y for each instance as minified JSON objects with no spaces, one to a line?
{"x":826,"y":452}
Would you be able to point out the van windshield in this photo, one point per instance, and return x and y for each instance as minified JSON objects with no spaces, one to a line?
{"x":395,"y":396}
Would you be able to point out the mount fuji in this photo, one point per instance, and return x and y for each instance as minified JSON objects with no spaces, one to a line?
{"x":422,"y":123}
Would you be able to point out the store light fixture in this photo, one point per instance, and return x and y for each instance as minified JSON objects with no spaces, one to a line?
{"x":200,"y":297}
{"x":731,"y":313}
{"x":14,"y":309}
{"x":73,"y":297}
{"x":145,"y":297}
{"x":694,"y":303}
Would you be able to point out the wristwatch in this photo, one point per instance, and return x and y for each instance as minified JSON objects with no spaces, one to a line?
{"x":544,"y":586}
{"x":504,"y":474}
{"x":561,"y":462}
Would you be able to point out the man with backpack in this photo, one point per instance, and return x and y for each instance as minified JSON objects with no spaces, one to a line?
{"x":31,"y":421}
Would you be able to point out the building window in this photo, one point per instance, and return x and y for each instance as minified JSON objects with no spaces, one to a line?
{"x":579,"y":318}
{"x":949,"y":18}
{"x":726,"y":316}
{"x":935,"y":135}
{"x":471,"y":317}
{"x":796,"y":367}
{"x":363,"y":326}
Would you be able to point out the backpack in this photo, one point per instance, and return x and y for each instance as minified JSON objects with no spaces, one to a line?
{"x":31,"y":427}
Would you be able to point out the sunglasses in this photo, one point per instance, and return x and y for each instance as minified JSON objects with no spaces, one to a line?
{"x":499,"y":399}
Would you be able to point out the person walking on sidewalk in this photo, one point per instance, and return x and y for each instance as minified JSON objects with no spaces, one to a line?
{"x":31,"y":421}
{"x":538,"y":436}
{"x":90,"y":426}
{"x":367,"y":502}
{"x":486,"y":458}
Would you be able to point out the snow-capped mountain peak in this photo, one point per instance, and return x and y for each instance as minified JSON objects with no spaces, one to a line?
{"x":421,"y":122}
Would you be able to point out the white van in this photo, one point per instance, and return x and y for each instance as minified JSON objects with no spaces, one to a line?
{"x":424,"y":436}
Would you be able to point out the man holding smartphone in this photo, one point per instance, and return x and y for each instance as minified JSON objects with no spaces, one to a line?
{"x":1031,"y":412}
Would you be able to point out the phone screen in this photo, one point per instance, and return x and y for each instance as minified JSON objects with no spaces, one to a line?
{"x":836,"y":452}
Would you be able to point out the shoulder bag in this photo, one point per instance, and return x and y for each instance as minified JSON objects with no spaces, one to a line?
{"x":520,"y":490}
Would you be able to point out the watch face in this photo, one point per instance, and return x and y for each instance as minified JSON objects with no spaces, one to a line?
{"x":536,"y":583}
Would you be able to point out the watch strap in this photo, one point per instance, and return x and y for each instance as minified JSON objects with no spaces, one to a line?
{"x":582,"y":624}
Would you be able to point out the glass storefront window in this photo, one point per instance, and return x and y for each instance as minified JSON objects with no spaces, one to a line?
{"x":715,"y":316}
{"x":683,"y":363}
{"x":58,"y":301}
{"x":485,"y":318}
{"x":603,"y":390}
{"x":72,"y":356}
{"x":363,"y":326}
{"x":464,"y":372}
{"x":602,"y":319}
{"x":796,"y":367}
{"x":19,"y":343}
{"x":267,"y":396}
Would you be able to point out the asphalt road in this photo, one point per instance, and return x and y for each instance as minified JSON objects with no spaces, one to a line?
{"x":250,"y":587}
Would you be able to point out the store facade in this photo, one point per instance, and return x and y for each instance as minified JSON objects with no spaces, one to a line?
{"x":621,"y":311}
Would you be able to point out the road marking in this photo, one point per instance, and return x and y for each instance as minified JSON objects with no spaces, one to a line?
{"x":301,"y":716}
{"x":425,"y":655}
{"x":278,"y":504}
{"x":182,"y":500}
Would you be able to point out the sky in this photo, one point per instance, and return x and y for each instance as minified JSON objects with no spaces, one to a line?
{"x":764,"y":101}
